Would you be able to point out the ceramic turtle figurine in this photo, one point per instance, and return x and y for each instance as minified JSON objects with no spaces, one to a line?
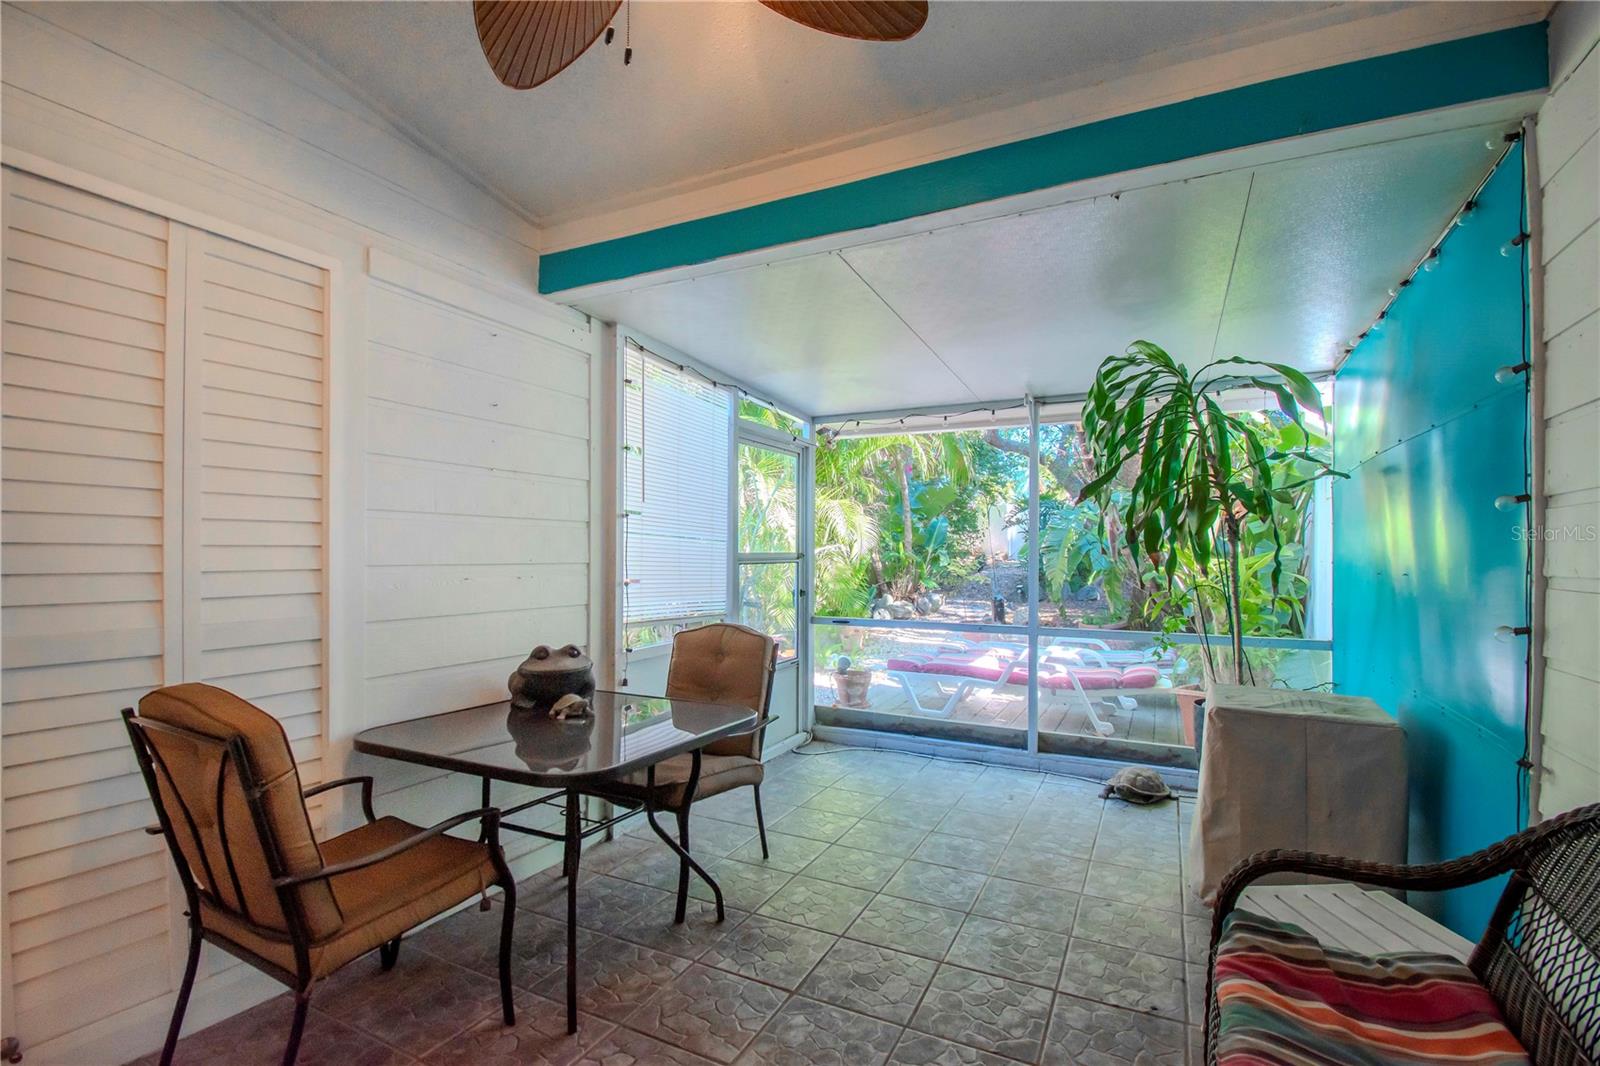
{"x":1137,"y":784}
{"x":550,"y":673}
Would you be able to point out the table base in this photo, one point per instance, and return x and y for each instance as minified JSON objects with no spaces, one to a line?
{"x":576,"y":827}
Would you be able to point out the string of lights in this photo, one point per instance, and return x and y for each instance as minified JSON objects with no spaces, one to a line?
{"x":913,"y":419}
{"x":1430,"y":259}
{"x":1515,"y":246}
{"x":732,"y":386}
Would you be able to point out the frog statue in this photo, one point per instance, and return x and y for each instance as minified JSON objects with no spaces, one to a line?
{"x":548,"y":674}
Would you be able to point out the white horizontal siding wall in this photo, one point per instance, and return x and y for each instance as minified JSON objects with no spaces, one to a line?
{"x":477,"y":478}
{"x":472,"y":541}
{"x":1568,"y":142}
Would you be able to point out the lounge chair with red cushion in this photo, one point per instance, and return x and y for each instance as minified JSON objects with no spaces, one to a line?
{"x":966,"y":667}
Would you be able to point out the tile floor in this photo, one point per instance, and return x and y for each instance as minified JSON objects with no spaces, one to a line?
{"x":914,"y":912}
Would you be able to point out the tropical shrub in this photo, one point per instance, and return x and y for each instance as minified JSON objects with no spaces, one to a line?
{"x":1211,"y":491}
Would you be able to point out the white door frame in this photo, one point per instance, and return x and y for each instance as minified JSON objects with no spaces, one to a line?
{"x":743,"y":431}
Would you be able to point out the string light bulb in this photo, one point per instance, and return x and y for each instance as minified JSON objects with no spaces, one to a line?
{"x":1507,"y":374}
{"x":1431,"y":263}
{"x":1511,"y":503}
{"x":1510,"y":248}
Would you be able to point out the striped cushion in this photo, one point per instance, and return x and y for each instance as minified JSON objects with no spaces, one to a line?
{"x":1286,"y":1000}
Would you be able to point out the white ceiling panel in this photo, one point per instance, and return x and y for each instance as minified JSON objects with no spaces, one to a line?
{"x":807,"y":333}
{"x":716,"y":85}
{"x":1033,"y":303}
{"x":1326,"y":237}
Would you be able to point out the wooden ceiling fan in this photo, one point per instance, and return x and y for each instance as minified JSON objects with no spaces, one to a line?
{"x":528,"y":42}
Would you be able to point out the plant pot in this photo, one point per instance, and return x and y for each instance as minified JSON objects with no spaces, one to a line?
{"x":1189,"y":699}
{"x":850,"y":687}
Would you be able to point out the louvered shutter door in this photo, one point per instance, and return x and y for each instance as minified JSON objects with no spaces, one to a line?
{"x":163,"y":521}
{"x":254,"y":483}
{"x":85,"y":422}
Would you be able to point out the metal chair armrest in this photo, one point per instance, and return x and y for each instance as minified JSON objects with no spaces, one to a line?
{"x":366,"y":792}
{"x":491,"y":824}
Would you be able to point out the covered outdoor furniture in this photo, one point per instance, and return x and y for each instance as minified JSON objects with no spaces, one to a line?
{"x":1530,"y":990}
{"x":257,"y":882}
{"x":1287,"y":769}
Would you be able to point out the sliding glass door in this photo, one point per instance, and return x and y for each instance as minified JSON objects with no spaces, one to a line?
{"x":923,"y":541}
{"x":965,"y":593}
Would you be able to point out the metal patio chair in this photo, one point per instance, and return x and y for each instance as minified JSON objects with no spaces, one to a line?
{"x":260,"y":886}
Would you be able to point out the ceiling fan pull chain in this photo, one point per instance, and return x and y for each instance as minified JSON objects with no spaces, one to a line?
{"x":627,"y":32}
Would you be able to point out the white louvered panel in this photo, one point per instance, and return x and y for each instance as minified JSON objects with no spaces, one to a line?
{"x":254,"y":506}
{"x":163,"y":450}
{"x":85,"y":343}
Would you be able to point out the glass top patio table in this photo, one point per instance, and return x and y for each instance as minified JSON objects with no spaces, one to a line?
{"x":625,"y":732}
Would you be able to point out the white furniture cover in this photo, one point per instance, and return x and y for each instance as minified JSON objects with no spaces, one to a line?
{"x":1288,"y":769}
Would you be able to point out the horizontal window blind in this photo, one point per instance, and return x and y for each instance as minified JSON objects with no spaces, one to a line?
{"x":675,"y":491}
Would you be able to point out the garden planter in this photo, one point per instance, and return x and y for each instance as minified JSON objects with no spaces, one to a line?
{"x":850,"y":687}
{"x":1189,"y":700}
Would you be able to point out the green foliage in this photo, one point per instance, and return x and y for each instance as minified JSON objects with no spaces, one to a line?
{"x":900,"y":514}
{"x":1073,"y":556}
{"x":769,"y":489}
{"x":762,"y":415}
{"x":892,"y":514}
{"x":1202,"y":496}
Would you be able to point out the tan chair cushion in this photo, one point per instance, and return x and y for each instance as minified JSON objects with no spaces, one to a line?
{"x":718,"y":774}
{"x":194,"y":769}
{"x":725,"y":663}
{"x":382,"y":901}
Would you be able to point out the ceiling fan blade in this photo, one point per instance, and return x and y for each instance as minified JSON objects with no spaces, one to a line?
{"x":528,"y":42}
{"x":864,"y":20}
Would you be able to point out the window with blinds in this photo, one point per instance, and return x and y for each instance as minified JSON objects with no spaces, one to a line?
{"x":675,"y":497}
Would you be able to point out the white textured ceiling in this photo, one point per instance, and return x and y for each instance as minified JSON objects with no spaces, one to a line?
{"x":1285,"y":261}
{"x":718,"y":86}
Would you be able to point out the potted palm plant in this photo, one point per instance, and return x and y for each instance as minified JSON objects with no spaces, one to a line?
{"x":1198,"y":474}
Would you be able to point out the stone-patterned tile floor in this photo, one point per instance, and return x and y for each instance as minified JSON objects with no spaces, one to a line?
{"x":913,"y":911}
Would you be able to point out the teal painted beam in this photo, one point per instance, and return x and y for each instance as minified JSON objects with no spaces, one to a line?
{"x":1422,"y":79}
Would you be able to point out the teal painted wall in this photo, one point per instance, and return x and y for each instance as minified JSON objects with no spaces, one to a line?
{"x":1425,"y":566}
{"x":1421,"y":79}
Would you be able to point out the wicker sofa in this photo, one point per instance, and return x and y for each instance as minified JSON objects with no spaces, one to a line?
{"x":1538,"y":960}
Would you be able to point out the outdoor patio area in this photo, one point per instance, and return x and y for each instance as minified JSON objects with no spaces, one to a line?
{"x":1152,"y":717}
{"x":914,"y":911}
